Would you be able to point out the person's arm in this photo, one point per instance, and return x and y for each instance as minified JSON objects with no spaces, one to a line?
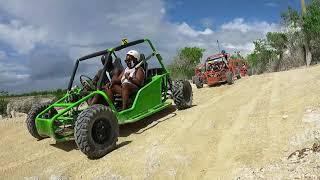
{"x":96,"y":77}
{"x":139,"y":78}
{"x":116,"y":79}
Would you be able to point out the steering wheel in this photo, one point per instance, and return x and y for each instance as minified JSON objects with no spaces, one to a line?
{"x":87,"y":82}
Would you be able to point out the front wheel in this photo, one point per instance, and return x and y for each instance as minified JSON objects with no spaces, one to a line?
{"x":182,"y":94}
{"x":229,"y":77}
{"x":96,"y":131}
{"x":33,"y":113}
{"x":198,"y":82}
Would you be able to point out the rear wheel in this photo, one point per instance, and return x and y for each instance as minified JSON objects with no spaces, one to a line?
{"x":96,"y":131}
{"x":198,"y":82}
{"x":33,"y":113}
{"x":229,"y":75}
{"x":182,"y":94}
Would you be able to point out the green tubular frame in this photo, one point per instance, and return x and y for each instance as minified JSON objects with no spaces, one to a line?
{"x":149,"y":100}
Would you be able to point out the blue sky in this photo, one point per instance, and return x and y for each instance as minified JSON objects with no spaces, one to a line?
{"x":219,"y":12}
{"x":38,"y":46}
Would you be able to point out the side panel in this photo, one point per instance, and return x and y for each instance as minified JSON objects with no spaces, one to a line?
{"x":147,"y":98}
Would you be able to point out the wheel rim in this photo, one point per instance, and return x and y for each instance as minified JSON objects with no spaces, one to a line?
{"x":101,"y":131}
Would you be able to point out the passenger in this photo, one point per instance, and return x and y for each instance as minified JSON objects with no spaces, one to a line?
{"x":128,"y":81}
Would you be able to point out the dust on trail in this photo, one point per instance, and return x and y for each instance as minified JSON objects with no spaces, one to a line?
{"x":249,"y":124}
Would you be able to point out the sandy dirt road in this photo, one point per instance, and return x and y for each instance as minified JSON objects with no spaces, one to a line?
{"x":245,"y":124}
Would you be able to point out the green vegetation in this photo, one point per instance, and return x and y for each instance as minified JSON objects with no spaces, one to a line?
{"x":237,"y":55}
{"x":3,"y":102}
{"x":58,"y":93}
{"x":184,"y":63}
{"x":4,"y":95}
{"x":3,"y":105}
{"x":267,"y":52}
{"x":301,"y":33}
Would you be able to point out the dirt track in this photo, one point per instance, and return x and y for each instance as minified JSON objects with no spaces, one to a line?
{"x":246,"y":124}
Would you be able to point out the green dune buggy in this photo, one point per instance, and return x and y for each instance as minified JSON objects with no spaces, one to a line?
{"x":95,"y":128}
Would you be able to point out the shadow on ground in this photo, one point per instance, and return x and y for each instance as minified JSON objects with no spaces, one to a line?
{"x":66,"y":146}
{"x":127,"y":129}
{"x":147,"y":123}
{"x":219,"y":84}
{"x":71,"y":145}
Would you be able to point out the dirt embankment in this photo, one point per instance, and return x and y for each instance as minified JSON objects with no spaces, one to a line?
{"x":232,"y":132}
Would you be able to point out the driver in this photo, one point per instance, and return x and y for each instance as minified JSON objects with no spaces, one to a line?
{"x":109,"y":69}
{"x":96,"y":99}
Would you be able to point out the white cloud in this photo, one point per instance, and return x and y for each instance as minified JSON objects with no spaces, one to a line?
{"x":239,"y":24}
{"x":271,"y":4}
{"x":185,"y":29}
{"x":21,"y":38}
{"x":80,"y":27}
{"x":245,"y":48}
{"x":163,"y":10}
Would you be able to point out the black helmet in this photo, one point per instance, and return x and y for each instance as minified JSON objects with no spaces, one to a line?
{"x":223,"y":52}
{"x":109,"y":62}
{"x":104,"y":58}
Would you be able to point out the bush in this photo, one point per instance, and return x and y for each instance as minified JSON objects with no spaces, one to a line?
{"x":59,"y":93}
{"x":284,"y":50}
{"x":185,"y":62}
{"x":3,"y":105}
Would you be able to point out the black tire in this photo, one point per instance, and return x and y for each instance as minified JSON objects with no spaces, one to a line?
{"x":198,"y":82}
{"x":229,"y":75}
{"x":182,"y":94}
{"x":34,"y":111}
{"x":96,"y":131}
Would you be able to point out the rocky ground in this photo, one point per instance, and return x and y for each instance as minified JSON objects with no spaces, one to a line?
{"x":262,"y":127}
{"x":18,"y":105}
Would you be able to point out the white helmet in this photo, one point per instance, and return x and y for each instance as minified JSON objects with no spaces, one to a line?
{"x":134,"y":53}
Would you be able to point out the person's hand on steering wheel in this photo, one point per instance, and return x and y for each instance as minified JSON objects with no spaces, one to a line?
{"x":87,"y":83}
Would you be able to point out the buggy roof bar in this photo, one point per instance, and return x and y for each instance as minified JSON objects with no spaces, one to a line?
{"x":213,"y":57}
{"x":100,"y":53}
{"x":108,"y":52}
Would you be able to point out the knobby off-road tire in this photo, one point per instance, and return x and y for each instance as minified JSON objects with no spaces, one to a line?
{"x":96,"y":131}
{"x":229,"y":75}
{"x":198,"y":82}
{"x":182,"y":94}
{"x":34,"y":111}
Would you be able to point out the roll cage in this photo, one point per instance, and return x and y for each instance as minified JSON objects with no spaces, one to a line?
{"x":108,"y":53}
